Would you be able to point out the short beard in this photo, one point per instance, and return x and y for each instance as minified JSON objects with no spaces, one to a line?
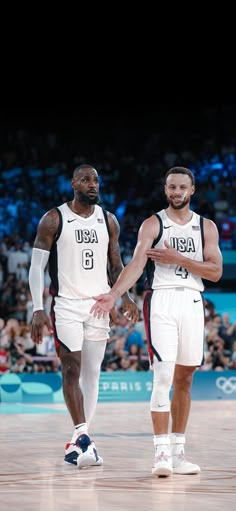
{"x":84,"y":199}
{"x":180,"y":206}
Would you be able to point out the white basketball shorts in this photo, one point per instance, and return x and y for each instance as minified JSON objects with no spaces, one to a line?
{"x":174,"y":320}
{"x":73,"y":323}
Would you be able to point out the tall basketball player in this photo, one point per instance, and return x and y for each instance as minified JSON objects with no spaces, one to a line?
{"x":79,"y":241}
{"x":179,"y":248}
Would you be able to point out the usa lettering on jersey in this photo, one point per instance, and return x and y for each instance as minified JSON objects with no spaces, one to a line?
{"x":86,"y":236}
{"x":182,"y":244}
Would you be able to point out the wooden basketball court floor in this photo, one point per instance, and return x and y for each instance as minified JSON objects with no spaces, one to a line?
{"x":34,"y":476}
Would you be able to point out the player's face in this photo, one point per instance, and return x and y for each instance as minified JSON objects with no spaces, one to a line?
{"x":178,"y":190}
{"x":86,"y":186}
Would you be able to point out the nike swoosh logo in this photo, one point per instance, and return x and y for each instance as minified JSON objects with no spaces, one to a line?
{"x":195,"y":301}
{"x":160,"y":406}
{"x":167,"y":226}
{"x":69,"y":221}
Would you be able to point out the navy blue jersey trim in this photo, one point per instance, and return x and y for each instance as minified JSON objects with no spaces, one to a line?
{"x":107,"y":223}
{"x":109,"y":279}
{"x":150,"y":265}
{"x":202,"y":234}
{"x":161,"y":230}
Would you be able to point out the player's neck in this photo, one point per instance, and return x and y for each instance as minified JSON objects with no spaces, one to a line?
{"x":81,"y":209}
{"x":179,"y":216}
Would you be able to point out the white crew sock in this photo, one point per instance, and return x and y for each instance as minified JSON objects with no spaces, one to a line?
{"x":79,"y":430}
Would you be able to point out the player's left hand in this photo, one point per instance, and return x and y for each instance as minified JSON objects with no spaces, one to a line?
{"x":168,"y":255}
{"x":113,"y":316}
{"x":131,"y":311}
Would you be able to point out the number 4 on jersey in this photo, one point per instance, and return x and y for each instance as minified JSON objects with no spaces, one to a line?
{"x":182,"y":272}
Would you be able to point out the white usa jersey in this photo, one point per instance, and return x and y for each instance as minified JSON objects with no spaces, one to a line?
{"x":188,"y":239}
{"x":79,"y":255}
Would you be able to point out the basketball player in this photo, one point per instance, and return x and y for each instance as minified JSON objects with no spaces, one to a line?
{"x":79,"y":240}
{"x":178,"y":248}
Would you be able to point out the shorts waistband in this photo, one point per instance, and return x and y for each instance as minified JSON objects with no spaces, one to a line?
{"x":176,"y":288}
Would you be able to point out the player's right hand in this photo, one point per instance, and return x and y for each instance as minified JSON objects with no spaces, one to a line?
{"x":39,"y":319}
{"x":104,"y":303}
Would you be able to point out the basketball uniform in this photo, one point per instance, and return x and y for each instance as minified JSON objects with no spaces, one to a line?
{"x":173,"y":306}
{"x":78,"y":270}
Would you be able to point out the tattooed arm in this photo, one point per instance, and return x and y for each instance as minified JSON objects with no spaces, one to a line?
{"x":46,"y":232}
{"x":116,"y":266}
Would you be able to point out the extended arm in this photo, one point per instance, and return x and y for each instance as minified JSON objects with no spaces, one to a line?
{"x":133,"y":271}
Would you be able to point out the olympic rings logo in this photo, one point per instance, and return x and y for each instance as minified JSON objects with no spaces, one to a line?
{"x":228,"y":385}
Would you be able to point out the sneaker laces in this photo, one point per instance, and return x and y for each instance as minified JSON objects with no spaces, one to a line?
{"x":181,"y":456}
{"x":162,"y":457}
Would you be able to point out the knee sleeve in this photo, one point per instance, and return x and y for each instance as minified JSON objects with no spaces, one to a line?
{"x":162,"y":381}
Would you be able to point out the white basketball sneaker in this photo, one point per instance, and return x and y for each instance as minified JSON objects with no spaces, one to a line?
{"x":163,"y":460}
{"x":180,"y":463}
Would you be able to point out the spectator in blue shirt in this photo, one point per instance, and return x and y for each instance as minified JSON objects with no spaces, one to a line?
{"x":133,"y":337}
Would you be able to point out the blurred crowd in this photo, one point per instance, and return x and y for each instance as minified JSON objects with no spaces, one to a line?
{"x":219,"y":340}
{"x":126,"y":349}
